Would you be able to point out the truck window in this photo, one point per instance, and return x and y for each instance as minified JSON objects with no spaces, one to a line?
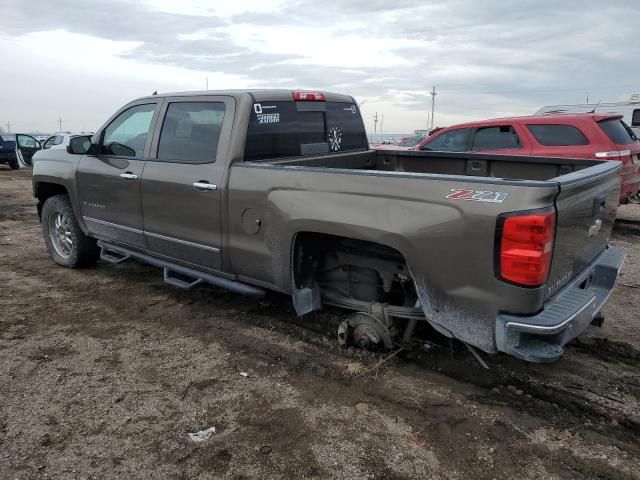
{"x":191,"y":132}
{"x":496,"y":138}
{"x":635,"y":118}
{"x":557,"y":135}
{"x":616,"y":131}
{"x":279,"y":130}
{"x":452,"y":141}
{"x":127,"y":135}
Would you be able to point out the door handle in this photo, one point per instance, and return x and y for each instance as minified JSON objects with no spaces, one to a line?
{"x":204,"y":185}
{"x":128,"y":176}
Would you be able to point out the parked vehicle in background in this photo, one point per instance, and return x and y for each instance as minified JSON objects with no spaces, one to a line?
{"x":41,"y":137}
{"x":404,"y":144}
{"x":589,"y":136}
{"x":61,"y":140}
{"x":8,"y":150}
{"x":274,"y":189}
{"x":17,"y":157}
{"x":629,"y":109}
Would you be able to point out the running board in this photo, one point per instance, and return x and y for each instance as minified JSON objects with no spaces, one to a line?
{"x":117,"y":254}
{"x":113,"y":258}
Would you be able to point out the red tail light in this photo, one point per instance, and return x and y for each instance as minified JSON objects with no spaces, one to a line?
{"x":301,"y":96}
{"x":526,"y":246}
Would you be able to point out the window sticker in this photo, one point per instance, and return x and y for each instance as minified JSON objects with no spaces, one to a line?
{"x":335,"y":139}
{"x":266,"y":117}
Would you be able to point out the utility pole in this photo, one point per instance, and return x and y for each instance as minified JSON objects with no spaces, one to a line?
{"x":433,"y":104}
{"x":60,"y":124}
{"x":207,"y":82}
{"x":381,"y":124}
{"x":375,"y":124}
{"x":8,"y":127}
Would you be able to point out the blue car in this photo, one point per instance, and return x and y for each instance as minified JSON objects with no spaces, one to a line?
{"x":8,"y":150}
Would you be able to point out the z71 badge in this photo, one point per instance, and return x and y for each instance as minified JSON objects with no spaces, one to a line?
{"x":477,"y":195}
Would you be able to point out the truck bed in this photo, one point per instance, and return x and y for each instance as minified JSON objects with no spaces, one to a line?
{"x":459,"y":164}
{"x":407,"y":201}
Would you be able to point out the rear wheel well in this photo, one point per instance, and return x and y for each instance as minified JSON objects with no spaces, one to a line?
{"x":352,"y":268}
{"x":47,"y":190}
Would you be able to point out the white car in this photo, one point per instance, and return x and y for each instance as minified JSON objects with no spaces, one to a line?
{"x":59,"y":141}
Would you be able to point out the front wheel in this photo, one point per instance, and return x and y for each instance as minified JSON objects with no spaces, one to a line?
{"x":67,"y":244}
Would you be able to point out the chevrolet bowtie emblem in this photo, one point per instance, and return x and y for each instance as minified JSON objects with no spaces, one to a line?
{"x":595,"y":228}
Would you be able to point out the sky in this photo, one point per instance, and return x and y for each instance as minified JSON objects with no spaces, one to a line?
{"x":80,"y":61}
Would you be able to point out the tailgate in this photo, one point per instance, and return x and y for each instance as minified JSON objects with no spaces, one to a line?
{"x":586,"y":210}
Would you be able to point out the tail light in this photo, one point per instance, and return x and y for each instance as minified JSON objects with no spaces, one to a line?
{"x":526,"y":247}
{"x":301,"y":96}
{"x":620,"y":155}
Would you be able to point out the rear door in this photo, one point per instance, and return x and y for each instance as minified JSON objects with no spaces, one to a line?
{"x":507,"y":139}
{"x":109,"y":180}
{"x":183,"y":182}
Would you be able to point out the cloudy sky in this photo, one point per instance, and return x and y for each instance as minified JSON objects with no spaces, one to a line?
{"x":81,"y":60}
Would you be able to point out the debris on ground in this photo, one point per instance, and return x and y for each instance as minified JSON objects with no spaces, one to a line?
{"x":202,"y":435}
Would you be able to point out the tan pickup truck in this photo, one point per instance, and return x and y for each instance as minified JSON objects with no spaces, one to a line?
{"x":278,"y":189}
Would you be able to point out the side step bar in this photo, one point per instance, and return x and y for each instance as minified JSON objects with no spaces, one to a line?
{"x":117,"y":254}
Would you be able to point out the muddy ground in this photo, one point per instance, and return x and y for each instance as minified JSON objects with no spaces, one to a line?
{"x":103,"y":372}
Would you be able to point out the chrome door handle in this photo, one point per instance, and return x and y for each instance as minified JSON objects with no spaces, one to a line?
{"x":205,"y":185}
{"x":129,"y":176}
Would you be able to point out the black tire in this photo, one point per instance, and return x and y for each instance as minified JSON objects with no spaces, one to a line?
{"x":67,"y":244}
{"x":13,"y":163}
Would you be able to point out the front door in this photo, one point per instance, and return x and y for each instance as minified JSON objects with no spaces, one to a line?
{"x":182,"y":183}
{"x":109,"y":181}
{"x":27,"y":146}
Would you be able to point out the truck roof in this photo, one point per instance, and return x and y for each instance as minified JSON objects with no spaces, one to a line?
{"x":280,"y":94}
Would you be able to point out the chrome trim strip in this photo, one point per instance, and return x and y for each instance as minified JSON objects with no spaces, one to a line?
{"x":552,"y":329}
{"x":114,"y":225}
{"x":183,"y":242}
{"x":151,"y":234}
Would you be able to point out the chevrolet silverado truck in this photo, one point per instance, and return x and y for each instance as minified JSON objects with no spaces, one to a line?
{"x":278,"y":190}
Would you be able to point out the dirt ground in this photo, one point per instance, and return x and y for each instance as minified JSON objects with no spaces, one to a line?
{"x":104,"y":372}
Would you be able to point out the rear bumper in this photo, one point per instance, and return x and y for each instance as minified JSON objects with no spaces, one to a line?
{"x":542,"y":337}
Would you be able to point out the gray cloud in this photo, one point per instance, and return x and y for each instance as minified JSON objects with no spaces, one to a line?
{"x":482,"y":55}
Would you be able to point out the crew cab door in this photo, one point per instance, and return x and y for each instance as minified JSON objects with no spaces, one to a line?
{"x":109,"y":179}
{"x":183,"y":181}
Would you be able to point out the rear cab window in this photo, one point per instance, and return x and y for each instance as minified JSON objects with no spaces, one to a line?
{"x":557,"y":135}
{"x":617,"y":131}
{"x":280,"y":129}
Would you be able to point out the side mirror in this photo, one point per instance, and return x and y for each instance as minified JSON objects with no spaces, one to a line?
{"x":79,"y":145}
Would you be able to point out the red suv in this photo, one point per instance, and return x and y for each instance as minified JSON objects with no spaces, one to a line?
{"x":603,"y":136}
